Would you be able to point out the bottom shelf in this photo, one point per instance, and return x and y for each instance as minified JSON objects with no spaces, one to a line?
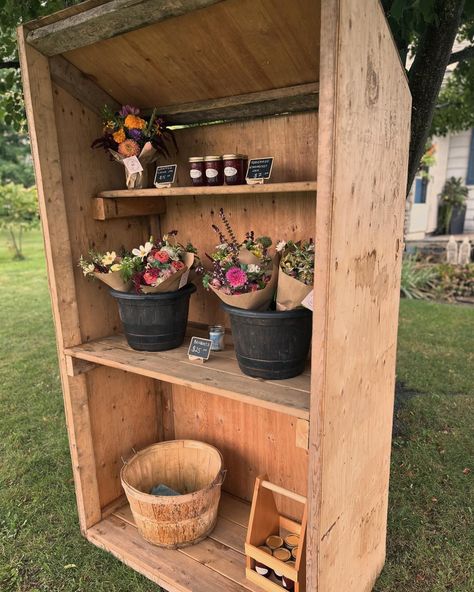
{"x":216,"y":564}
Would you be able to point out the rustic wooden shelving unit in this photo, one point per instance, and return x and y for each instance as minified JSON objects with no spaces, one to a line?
{"x":318,"y":85}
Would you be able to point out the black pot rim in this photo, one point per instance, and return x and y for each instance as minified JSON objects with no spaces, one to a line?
{"x":186,"y":290}
{"x":267,"y":314}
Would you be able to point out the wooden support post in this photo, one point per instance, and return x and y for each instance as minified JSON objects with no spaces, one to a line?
{"x":44,"y":144}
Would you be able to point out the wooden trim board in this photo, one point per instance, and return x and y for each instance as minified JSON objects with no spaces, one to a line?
{"x":105,"y":21}
{"x":292,"y":186}
{"x":291,"y":99}
{"x":220,"y":375}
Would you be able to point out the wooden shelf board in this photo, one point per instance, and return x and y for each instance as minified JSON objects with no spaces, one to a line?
{"x":214,"y":565}
{"x":294,"y":186}
{"x":220,"y":375}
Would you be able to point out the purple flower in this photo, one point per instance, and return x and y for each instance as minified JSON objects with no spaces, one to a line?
{"x":129,"y":110}
{"x":135,"y":134}
{"x":236,"y":277}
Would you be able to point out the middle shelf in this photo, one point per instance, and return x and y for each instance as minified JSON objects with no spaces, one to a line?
{"x":220,"y":375}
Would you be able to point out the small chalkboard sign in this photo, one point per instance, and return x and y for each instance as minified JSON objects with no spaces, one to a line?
{"x":259,"y":169}
{"x":199,"y":349}
{"x":165,"y":175}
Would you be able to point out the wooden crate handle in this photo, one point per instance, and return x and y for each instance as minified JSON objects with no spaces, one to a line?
{"x":286,"y":492}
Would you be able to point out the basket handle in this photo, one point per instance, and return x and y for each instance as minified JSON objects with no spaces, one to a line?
{"x":219,"y":480}
{"x":286,"y":492}
{"x":125,"y":461}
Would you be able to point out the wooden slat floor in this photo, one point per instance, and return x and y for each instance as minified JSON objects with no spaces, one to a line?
{"x":216,"y":564}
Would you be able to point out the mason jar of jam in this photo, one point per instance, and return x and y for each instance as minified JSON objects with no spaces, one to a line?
{"x":196,"y":171}
{"x":214,"y":170}
{"x":234,"y":173}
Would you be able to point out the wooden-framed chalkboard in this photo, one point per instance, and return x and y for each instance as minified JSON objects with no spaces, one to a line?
{"x":199,"y":349}
{"x":165,"y":175}
{"x":259,"y":169}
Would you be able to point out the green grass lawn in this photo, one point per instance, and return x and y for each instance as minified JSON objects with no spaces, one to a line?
{"x":431,"y":531}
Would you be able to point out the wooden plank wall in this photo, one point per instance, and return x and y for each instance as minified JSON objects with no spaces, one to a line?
{"x":282,"y":216}
{"x":252,"y":440}
{"x":365,"y":107}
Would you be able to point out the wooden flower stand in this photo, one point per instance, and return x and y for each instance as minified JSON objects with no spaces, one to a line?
{"x":265,"y":520}
{"x":318,"y":85}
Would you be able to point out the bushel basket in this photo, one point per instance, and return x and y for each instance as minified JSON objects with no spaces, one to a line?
{"x":194,"y":469}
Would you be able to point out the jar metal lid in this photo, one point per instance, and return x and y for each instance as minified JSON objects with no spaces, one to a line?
{"x":209,"y":158}
{"x":217,"y":328}
{"x":196,"y":159}
{"x":282,"y":554}
{"x":232,"y":156}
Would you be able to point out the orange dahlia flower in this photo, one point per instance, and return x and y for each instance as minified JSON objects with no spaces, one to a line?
{"x":134,"y":122}
{"x":119,"y":136}
{"x":129,"y":148}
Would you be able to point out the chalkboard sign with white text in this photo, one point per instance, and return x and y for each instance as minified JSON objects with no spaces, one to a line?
{"x":199,"y":348}
{"x":260,"y":168}
{"x":165,"y":175}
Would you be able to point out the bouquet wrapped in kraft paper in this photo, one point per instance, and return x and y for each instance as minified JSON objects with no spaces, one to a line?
{"x":164,"y":266}
{"x":126,"y":135}
{"x":295,"y":273}
{"x":243,"y":274}
{"x":109,"y":268}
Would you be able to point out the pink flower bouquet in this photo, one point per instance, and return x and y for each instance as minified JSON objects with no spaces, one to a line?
{"x":242,"y":274}
{"x":163,"y":266}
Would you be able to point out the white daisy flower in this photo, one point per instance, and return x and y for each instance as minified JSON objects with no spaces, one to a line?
{"x":280,"y":246}
{"x":252,"y":268}
{"x":143,"y":251}
{"x":109,"y":258}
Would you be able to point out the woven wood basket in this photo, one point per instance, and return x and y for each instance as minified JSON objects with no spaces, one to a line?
{"x":192,"y":468}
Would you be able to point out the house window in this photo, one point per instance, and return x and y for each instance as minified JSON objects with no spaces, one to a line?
{"x":420,"y":191}
{"x":470,"y":165}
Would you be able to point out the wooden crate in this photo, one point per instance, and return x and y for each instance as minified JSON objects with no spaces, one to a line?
{"x":265,"y":520}
{"x":318,"y":85}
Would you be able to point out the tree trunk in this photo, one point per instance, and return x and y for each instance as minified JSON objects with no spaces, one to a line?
{"x":426,"y":75}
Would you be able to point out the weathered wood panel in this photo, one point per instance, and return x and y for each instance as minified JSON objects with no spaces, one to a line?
{"x":39,"y":104}
{"x":125,"y":416}
{"x":365,"y":114}
{"x":231,"y":48}
{"x":283,"y":216}
{"x":233,"y":426}
{"x":106,"y":20}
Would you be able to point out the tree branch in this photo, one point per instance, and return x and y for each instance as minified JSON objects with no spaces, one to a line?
{"x":426,"y":75}
{"x":463,"y":54}
{"x":12,"y":64}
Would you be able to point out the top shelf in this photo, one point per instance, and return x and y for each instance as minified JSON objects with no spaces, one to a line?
{"x":294,"y":186}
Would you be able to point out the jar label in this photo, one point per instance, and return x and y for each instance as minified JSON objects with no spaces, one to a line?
{"x":195,"y":174}
{"x":211,"y":173}
{"x":230,"y":171}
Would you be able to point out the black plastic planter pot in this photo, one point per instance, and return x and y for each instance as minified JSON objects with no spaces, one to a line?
{"x":154,"y":322}
{"x":272,"y":344}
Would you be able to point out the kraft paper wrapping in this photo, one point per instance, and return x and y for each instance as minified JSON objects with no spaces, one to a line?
{"x":147,"y":155}
{"x":259,"y":300}
{"x":174,"y":282}
{"x":291,"y":292}
{"x":114,"y":280}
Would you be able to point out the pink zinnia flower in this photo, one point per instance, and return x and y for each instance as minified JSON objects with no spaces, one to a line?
{"x":150,"y":276}
{"x":162,"y":256}
{"x":236,"y":277}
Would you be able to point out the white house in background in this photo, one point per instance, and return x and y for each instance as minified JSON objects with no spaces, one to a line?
{"x":454,"y":158}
